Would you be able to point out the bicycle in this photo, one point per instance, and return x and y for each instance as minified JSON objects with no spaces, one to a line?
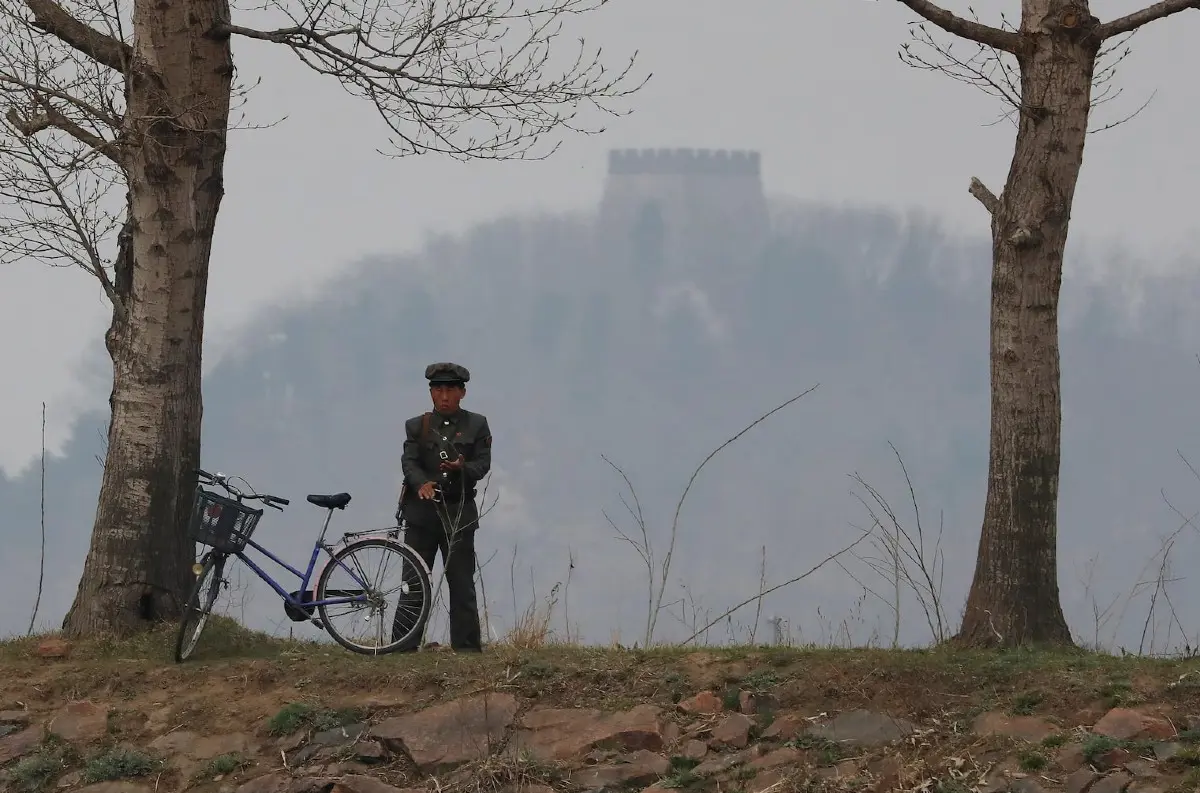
{"x":225,"y":525}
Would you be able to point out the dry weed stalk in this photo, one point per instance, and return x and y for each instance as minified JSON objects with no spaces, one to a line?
{"x":904,"y":561}
{"x":658,"y":574}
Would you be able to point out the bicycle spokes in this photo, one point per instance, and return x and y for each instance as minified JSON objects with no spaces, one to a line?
{"x":374,"y":578}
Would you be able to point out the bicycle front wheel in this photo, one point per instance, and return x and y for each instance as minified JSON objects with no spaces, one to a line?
{"x":392,"y":591}
{"x":199,"y":605}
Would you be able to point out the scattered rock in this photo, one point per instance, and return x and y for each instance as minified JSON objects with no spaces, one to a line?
{"x":1070,"y":758}
{"x":591,"y":749}
{"x":1165,"y":751}
{"x":370,"y":752}
{"x":19,"y":744}
{"x":862,"y":728}
{"x":268,"y":783}
{"x":785,"y":728}
{"x":1025,"y":728}
{"x":1025,"y":785}
{"x":1163,"y":786}
{"x":705,"y":702}
{"x":190,"y":750}
{"x":639,"y":768}
{"x":339,"y":736}
{"x":887,"y":772}
{"x":1113,"y":758}
{"x":1080,"y":781}
{"x":783,"y":756}
{"x":763,"y":782}
{"x":70,"y":780}
{"x":80,"y":721}
{"x":290,"y":743}
{"x":694,"y":749}
{"x":358,"y":783}
{"x":722,"y":763}
{"x":561,"y":734}
{"x":1125,"y":724}
{"x":452,"y":733}
{"x":1113,"y":783}
{"x":1141,"y":768}
{"x":847,"y":769}
{"x":733,"y":731}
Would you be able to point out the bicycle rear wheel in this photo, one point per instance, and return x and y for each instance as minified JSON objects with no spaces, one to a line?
{"x":371,"y":562}
{"x":199,"y":605}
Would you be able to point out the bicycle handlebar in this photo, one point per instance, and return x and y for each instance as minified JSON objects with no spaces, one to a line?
{"x":275,"y":502}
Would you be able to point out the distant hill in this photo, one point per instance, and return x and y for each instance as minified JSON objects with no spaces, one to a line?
{"x":580,"y":345}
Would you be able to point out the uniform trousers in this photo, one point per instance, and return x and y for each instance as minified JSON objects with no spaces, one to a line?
{"x":449,"y":528}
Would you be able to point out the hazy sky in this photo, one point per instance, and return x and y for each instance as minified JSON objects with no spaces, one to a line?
{"x":816,"y":86}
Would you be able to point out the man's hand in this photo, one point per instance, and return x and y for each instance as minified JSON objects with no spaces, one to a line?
{"x":454,"y":466}
{"x":426,"y":491}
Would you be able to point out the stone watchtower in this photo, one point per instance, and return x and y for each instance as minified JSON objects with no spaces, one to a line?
{"x":671,"y":212}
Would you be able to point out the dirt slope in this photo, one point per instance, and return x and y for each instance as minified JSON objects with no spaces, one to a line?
{"x":258,"y":716}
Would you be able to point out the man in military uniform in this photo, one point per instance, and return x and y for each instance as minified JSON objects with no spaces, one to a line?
{"x":446,"y":452}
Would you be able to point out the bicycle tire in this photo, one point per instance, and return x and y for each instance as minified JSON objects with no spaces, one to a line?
{"x":196,"y":613}
{"x":409,"y":556}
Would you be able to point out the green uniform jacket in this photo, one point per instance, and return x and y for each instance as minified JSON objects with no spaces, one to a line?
{"x":468,"y":433}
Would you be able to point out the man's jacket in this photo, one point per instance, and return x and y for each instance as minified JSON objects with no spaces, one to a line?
{"x":464,"y":433}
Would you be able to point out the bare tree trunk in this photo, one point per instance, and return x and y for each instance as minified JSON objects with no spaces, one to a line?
{"x":178,"y":93}
{"x":1014,"y":598}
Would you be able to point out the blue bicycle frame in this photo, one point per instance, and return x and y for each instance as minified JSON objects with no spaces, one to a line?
{"x":305,"y":577}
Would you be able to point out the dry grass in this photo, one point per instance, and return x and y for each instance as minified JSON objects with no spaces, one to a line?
{"x":532,"y":663}
{"x":532,"y":629}
{"x":266,"y":684}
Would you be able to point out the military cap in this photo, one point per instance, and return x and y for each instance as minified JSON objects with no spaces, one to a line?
{"x":446,"y":372}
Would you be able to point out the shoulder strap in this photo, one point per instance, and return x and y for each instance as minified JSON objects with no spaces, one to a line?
{"x":425,"y":427}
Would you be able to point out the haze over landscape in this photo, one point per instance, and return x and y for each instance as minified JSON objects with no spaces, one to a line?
{"x":593,"y":326}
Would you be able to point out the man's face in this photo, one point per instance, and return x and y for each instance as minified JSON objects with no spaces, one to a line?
{"x":446,"y":397}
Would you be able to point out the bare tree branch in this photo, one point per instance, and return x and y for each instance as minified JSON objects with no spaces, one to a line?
{"x":964,"y":28}
{"x":60,"y":114}
{"x":53,"y":202}
{"x":468,"y":78}
{"x":997,"y":73}
{"x":1131,"y":22}
{"x":984,"y":195}
{"x":51,"y":117}
{"x":50,"y":17}
{"x":48,"y":92}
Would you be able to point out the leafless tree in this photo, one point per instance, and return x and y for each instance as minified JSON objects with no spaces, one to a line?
{"x":1055,"y":47}
{"x":117,"y":114}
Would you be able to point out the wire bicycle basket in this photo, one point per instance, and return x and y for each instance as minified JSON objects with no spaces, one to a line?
{"x":222,"y":523}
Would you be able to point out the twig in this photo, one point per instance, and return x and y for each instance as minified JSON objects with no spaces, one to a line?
{"x":666,"y":565}
{"x":762,"y":582}
{"x":42,"y":559}
{"x":777,"y":587}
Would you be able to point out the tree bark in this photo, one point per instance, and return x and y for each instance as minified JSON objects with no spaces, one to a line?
{"x":1014,"y":598}
{"x":178,"y":89}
